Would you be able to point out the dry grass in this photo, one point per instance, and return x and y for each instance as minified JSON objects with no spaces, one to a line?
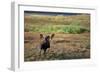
{"x":63,"y":46}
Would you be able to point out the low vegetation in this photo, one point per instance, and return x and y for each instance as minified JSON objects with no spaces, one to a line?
{"x":71,"y":40}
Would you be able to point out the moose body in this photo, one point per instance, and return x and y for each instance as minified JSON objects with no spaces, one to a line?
{"x":45,"y":44}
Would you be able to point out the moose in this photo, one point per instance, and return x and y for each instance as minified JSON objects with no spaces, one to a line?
{"x":45,"y":43}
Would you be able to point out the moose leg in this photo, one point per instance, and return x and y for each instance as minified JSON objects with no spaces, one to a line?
{"x":40,"y":51}
{"x":44,"y":51}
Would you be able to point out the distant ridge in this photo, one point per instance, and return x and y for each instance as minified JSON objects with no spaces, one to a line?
{"x":52,"y":13}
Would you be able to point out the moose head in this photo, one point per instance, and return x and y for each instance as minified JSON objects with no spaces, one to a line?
{"x":45,"y":44}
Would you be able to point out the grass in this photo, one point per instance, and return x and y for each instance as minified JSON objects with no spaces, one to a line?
{"x":75,"y":29}
{"x":58,"y":24}
{"x":73,"y":45}
{"x":59,"y":56}
{"x":63,"y":46}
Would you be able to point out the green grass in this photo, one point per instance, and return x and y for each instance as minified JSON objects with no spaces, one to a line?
{"x":75,"y":29}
